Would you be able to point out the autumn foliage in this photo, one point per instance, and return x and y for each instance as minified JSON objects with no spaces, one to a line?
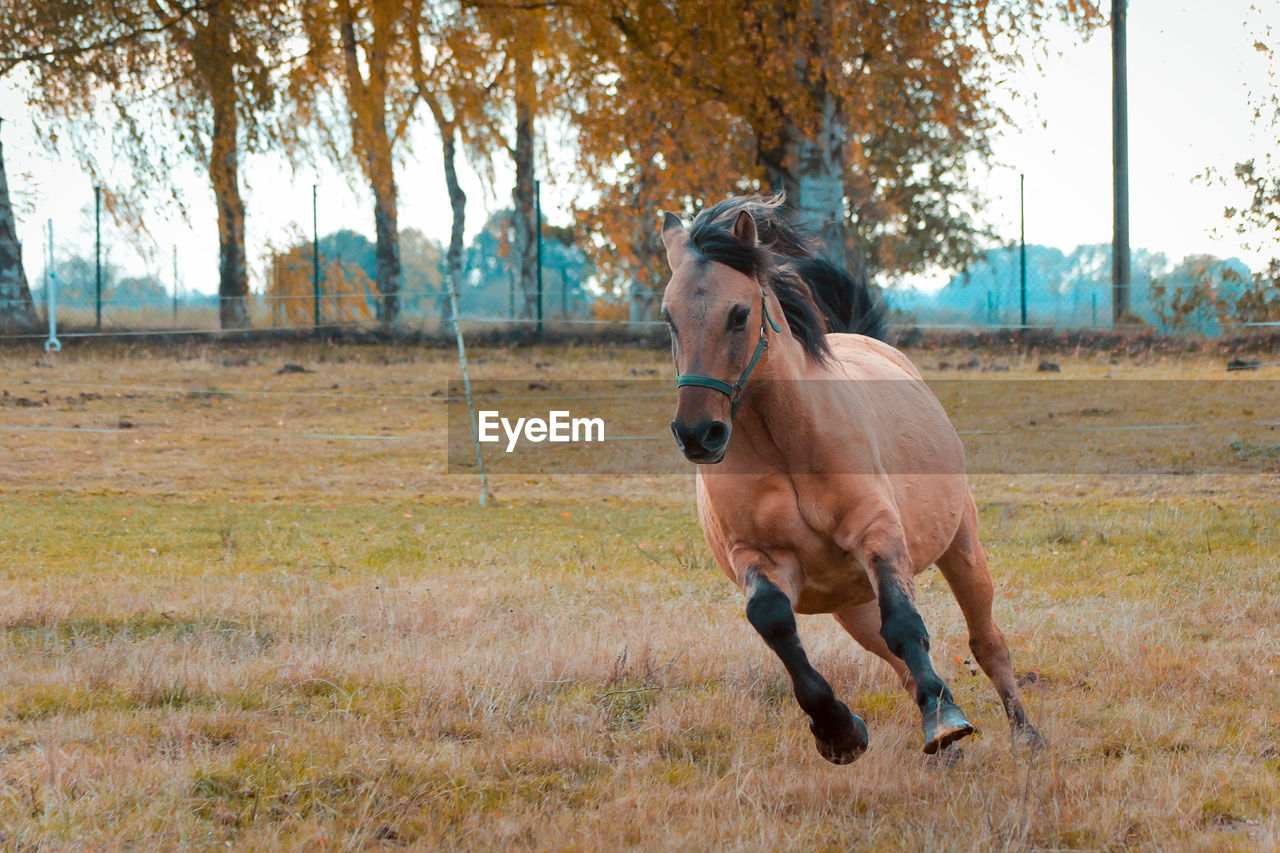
{"x":869,"y":115}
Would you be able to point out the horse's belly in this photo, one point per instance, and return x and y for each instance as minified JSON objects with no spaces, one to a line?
{"x":829,"y":582}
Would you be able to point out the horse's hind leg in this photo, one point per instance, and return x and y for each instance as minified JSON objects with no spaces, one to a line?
{"x":964,"y":565}
{"x":841,"y":737}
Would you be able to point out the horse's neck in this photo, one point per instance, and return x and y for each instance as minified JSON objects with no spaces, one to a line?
{"x":778,"y":409}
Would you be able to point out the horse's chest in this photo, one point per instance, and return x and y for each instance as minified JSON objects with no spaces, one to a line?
{"x":770,"y":517}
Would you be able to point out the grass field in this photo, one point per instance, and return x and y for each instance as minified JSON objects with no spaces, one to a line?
{"x":222,"y":626}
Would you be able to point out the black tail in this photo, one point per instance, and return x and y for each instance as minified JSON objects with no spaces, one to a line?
{"x":847,"y":302}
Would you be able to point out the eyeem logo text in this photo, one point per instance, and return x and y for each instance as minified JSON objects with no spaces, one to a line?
{"x":558,"y":426}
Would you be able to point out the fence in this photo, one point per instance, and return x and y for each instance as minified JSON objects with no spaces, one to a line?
{"x":1043,"y":287}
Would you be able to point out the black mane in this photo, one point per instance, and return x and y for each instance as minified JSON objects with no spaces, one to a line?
{"x":817,"y":297}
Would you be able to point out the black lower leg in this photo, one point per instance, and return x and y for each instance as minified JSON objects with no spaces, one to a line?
{"x":769,"y":612}
{"x":841,"y":736}
{"x":905,"y":635}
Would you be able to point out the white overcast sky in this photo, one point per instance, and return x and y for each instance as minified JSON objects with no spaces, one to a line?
{"x":1192,"y":69}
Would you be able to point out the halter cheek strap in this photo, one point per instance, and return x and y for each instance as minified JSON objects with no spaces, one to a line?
{"x":734,"y":391}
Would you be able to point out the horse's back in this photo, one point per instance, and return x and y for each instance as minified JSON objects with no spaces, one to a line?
{"x":895,"y":408}
{"x":865,"y":357}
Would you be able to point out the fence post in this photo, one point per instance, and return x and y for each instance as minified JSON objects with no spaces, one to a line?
{"x":97,"y":242}
{"x":315,"y":254}
{"x":51,"y":292}
{"x":537,"y":200}
{"x":1022,"y":246}
{"x":485,"y":497}
{"x":175,"y":284}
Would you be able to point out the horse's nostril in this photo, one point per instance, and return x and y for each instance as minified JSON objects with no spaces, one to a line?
{"x":675,"y":432}
{"x":717,"y":435}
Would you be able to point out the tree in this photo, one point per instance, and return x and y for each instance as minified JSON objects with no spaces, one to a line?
{"x":524,"y":218}
{"x":1205,"y":294}
{"x":365,"y":47}
{"x":53,"y":38}
{"x":1258,"y":220}
{"x":491,"y":268}
{"x":200,"y":72}
{"x":534,"y":43}
{"x":867,"y":114}
{"x":17,"y":313}
{"x":455,"y":70}
{"x":346,"y":289}
{"x":424,"y":270}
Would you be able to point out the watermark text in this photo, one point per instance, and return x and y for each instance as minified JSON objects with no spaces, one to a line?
{"x":558,"y":426}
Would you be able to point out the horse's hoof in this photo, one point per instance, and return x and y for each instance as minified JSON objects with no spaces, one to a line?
{"x":1027,"y":736}
{"x":943,"y":726}
{"x":842,"y":738}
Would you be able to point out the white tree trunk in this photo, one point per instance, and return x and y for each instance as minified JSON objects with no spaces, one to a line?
{"x":813,"y":180}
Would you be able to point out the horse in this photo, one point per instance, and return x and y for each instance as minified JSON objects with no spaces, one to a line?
{"x":828,"y":474}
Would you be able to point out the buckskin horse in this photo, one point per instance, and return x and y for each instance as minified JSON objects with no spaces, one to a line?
{"x":828,"y":473}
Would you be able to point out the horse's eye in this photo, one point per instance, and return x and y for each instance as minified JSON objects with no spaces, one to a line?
{"x":738,"y":317}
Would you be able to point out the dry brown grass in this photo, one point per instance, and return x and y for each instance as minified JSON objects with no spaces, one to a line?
{"x":215,"y":631}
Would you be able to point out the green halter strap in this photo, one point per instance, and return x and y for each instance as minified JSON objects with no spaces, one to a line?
{"x":734,"y":391}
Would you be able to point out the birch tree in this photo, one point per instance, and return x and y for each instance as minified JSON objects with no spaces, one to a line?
{"x":868,"y":114}
{"x":169,"y":81}
{"x":364,"y":48}
{"x":17,"y":313}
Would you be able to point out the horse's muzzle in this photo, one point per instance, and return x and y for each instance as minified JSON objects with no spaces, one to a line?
{"x":703,"y":442}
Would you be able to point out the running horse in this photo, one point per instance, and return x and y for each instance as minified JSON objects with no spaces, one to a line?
{"x":828,"y":473}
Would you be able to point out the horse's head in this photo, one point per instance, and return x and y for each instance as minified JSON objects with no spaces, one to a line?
{"x":717,"y":315}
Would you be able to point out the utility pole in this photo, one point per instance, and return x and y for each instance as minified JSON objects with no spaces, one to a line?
{"x":1119,"y":162}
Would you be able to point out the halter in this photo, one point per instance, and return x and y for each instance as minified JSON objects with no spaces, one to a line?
{"x":734,"y":391}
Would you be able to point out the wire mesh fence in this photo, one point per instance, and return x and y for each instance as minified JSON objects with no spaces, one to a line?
{"x":333,"y":283}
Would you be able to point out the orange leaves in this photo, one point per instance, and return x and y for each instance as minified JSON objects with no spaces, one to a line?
{"x":347,"y":292}
{"x":684,"y":104}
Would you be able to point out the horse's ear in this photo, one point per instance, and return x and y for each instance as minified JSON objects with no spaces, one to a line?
{"x":745,"y":228}
{"x":676,"y":238}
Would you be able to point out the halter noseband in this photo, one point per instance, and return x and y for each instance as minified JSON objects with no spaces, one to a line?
{"x":734,"y":391}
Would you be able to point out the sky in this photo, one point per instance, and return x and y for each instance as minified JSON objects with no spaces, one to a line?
{"x":1192,"y":69}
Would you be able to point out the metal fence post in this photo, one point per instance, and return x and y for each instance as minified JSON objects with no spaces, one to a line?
{"x":175,"y":284}
{"x":97,"y":242}
{"x":51,"y":293}
{"x":537,"y":197}
{"x":315,"y":254}
{"x":1022,"y":246}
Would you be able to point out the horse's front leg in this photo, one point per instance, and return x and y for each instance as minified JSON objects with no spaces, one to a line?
{"x":906,"y":636}
{"x":841,"y":737}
